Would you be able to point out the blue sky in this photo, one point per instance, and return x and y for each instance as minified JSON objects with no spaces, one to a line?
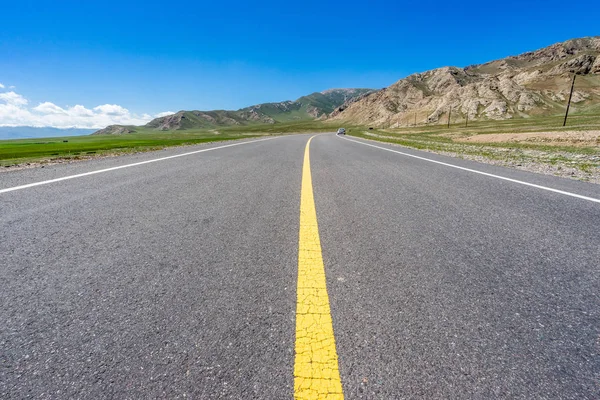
{"x":151,"y":57}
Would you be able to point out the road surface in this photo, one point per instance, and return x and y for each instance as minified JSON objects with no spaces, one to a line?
{"x":177,"y":275}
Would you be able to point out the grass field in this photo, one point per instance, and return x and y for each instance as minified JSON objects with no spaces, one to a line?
{"x":75,"y":147}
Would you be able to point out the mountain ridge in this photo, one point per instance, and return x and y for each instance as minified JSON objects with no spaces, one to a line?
{"x":312,"y":106}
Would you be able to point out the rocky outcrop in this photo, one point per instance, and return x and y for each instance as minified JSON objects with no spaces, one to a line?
{"x":579,"y":65}
{"x":595,"y":69}
{"x":556,"y":52}
{"x":350,"y":101}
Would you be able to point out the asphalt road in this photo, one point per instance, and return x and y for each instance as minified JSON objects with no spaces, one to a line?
{"x":177,"y":278}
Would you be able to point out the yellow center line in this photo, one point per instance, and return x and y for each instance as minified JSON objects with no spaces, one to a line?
{"x":316,"y":372}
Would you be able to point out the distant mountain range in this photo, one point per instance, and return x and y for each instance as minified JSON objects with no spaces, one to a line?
{"x":25,"y":132}
{"x":530,"y":84}
{"x":313,"y":106}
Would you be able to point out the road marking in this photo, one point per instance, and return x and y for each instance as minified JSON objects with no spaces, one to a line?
{"x":316,"y":372}
{"x":11,"y":189}
{"x":482,"y":173}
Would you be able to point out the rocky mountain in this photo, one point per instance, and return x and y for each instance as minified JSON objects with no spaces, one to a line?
{"x":533,"y":83}
{"x":315,"y":105}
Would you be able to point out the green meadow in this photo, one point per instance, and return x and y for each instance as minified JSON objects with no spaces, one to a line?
{"x":77,"y":147}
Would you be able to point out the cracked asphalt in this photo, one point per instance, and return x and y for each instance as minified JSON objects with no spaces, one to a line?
{"x":177,"y":279}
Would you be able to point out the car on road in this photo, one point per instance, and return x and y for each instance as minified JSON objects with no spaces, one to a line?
{"x":341,"y":131}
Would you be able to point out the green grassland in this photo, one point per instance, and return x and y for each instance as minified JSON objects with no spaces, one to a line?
{"x":76,"y":147}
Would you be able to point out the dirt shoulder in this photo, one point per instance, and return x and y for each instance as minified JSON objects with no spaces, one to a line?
{"x":571,"y":138}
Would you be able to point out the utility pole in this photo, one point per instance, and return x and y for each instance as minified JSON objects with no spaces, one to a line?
{"x":449,"y":114}
{"x":415,"y":119}
{"x":569,"y":103}
{"x":467,"y":120}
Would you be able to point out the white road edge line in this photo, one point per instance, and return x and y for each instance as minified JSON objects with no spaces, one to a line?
{"x":480,"y":172}
{"x":64,"y":178}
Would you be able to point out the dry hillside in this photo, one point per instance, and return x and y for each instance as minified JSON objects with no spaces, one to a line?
{"x":533,"y":83}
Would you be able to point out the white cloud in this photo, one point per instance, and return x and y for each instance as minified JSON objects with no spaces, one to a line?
{"x":2,"y":86}
{"x":49,"y":108}
{"x":11,"y":115}
{"x":80,"y":111}
{"x":14,"y":112}
{"x":111,"y":109}
{"x":164,"y":114}
{"x":13,"y":98}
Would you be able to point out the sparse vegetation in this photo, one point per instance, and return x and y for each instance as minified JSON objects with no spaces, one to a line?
{"x":557,"y":154}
